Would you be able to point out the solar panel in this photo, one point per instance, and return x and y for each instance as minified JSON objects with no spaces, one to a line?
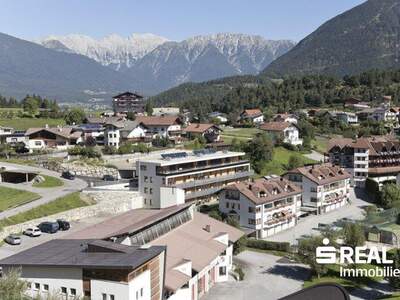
{"x":204,"y":152}
{"x":174,"y":155}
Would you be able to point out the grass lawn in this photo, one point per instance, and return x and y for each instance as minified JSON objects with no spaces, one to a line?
{"x":59,"y":205}
{"x":11,"y":198}
{"x":49,"y":182}
{"x":333,"y":276}
{"x":240,"y":133}
{"x":320,"y":144}
{"x":25,"y":123}
{"x":280,"y":160}
{"x":18,"y":161}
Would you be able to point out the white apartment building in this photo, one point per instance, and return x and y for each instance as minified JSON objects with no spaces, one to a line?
{"x":287,"y":132}
{"x":267,"y":205}
{"x":325,"y":187}
{"x":347,"y":117}
{"x":175,"y":177}
{"x":97,"y":269}
{"x":199,"y":248}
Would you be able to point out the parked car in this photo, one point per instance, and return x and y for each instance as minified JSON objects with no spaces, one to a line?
{"x":49,"y":227}
{"x":13,"y":239}
{"x":109,"y":178}
{"x":68,"y":175}
{"x":33,"y":232}
{"x":63,"y":225}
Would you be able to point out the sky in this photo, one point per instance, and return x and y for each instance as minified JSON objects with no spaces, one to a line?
{"x":173,"y":19}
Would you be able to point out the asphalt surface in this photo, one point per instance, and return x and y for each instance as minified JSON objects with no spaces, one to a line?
{"x":47,"y":194}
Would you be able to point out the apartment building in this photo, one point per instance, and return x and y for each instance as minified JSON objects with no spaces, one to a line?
{"x":129,"y":102}
{"x":284,"y":131}
{"x":97,"y":269}
{"x":375,"y":157}
{"x":199,"y":248}
{"x":164,"y":126}
{"x":267,"y":205}
{"x":177,"y":177}
{"x":347,"y":117}
{"x":325,"y":187}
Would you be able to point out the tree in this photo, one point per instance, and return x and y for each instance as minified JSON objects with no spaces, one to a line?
{"x":131,"y":116}
{"x":354,"y":235}
{"x":294,"y":162}
{"x":215,"y":214}
{"x":31,"y":106}
{"x":394,"y":281}
{"x":74,"y":116}
{"x":149,"y":108}
{"x":307,"y":254}
{"x":260,"y":151}
{"x":232,"y":221}
{"x":390,"y":195}
{"x":11,"y":286}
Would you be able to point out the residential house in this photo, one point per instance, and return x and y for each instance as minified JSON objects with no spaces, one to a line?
{"x":95,"y":131}
{"x":199,"y":248}
{"x":285,"y":117}
{"x":125,"y":131}
{"x":284,"y":131}
{"x":355,"y":103}
{"x":210,"y":132}
{"x":4,"y":133}
{"x":325,"y":187}
{"x":92,"y":268}
{"x":129,"y":102}
{"x":165,"y":126}
{"x":267,"y":205}
{"x":216,"y":115}
{"x":57,"y":137}
{"x":347,"y":117}
{"x":377,"y":158}
{"x":254,"y":116}
{"x":18,"y":136}
{"x":177,"y":177}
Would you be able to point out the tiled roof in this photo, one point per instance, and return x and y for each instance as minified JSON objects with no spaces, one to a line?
{"x":266,"y":190}
{"x":199,"y":128}
{"x":374,"y":144}
{"x":275,"y":126}
{"x":322,"y":173}
{"x":65,"y":132}
{"x":158,"y":120}
{"x":252,"y":112}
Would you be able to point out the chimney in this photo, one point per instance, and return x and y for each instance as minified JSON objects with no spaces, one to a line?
{"x":207,"y":228}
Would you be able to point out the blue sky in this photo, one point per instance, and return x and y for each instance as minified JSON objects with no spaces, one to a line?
{"x":173,"y":19}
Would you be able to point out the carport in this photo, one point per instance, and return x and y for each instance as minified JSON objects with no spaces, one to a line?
{"x":16,"y":176}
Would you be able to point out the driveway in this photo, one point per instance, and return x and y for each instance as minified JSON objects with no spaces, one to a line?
{"x":308,"y":225}
{"x":266,"y":277}
{"x":315,"y":156}
{"x":47,"y":194}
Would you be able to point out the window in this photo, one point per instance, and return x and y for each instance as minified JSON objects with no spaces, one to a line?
{"x":104,"y":296}
{"x":143,"y":168}
{"x":151,"y":179}
{"x":251,"y":209}
{"x":151,"y":191}
{"x":312,"y":199}
{"x":112,"y":297}
{"x":222,"y":271}
{"x":141,"y":292}
{"x":73,"y":292}
{"x":146,"y":178}
{"x":63,"y":290}
{"x":252,"y":222}
{"x":145,"y":190}
{"x":45,"y":287}
{"x":37,"y":286}
{"x":227,"y":204}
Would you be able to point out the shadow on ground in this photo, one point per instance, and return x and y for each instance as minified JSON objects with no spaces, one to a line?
{"x":294,"y":272}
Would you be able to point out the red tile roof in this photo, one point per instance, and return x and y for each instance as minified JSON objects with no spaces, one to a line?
{"x":158,"y":120}
{"x":200,"y":128}
{"x":322,"y":174}
{"x":275,"y":126}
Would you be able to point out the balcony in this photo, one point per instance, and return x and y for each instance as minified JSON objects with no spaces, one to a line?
{"x":217,"y":179}
{"x":333,"y":200}
{"x":203,"y":193}
{"x":278,"y":220}
{"x":198,"y":167}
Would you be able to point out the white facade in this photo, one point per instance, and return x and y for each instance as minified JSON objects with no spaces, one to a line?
{"x":291,"y":136}
{"x":112,"y":136}
{"x":348,"y":118}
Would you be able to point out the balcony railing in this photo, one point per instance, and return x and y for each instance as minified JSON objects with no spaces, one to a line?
{"x":200,"y":167}
{"x":216,"y":179}
{"x":203,"y":193}
{"x":333,"y":200}
{"x":276,"y":221}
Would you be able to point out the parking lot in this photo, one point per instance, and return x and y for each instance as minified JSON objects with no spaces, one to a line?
{"x":266,"y":277}
{"x":28,"y":242}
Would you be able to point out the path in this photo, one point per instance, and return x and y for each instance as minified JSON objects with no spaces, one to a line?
{"x":47,"y":194}
{"x":315,"y":156}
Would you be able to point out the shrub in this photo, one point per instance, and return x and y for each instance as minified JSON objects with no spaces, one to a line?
{"x":268,"y":245}
{"x":84,"y":151}
{"x":240,"y":273}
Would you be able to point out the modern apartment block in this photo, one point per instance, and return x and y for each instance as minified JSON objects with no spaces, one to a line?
{"x":199,"y":248}
{"x":374,"y":157}
{"x":267,"y":205}
{"x":178,"y":177}
{"x":325,"y":187}
{"x":96,"y":269}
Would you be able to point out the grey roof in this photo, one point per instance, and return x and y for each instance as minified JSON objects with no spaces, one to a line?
{"x":84,"y":253}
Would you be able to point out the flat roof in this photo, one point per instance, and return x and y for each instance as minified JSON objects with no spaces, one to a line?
{"x":191,"y":157}
{"x":75,"y":253}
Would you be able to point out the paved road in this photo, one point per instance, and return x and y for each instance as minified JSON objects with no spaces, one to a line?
{"x":307,"y":225}
{"x":47,"y":194}
{"x":315,"y":156}
{"x":266,"y":277}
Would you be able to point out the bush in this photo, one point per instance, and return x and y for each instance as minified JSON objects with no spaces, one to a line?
{"x":372,"y":188}
{"x":240,"y":273}
{"x":268,"y":245}
{"x":84,"y":151}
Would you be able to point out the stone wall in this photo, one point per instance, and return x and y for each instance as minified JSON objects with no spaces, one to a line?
{"x":107,"y":203}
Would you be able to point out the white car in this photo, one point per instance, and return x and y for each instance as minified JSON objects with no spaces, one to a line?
{"x":33,"y":231}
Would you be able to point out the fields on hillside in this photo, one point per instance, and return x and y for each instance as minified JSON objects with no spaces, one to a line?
{"x":25,"y":123}
{"x":240,"y":133}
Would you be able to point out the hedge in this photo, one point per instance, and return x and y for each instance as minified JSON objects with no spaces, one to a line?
{"x":268,"y":245}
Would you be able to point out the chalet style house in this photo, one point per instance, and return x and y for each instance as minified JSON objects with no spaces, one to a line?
{"x":58,"y":137}
{"x":210,"y":132}
{"x":129,"y":102}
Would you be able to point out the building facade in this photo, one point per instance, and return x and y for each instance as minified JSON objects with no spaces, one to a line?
{"x":175,"y":177}
{"x":267,"y":205}
{"x":325,"y":187}
{"x":283,"y":131}
{"x":129,"y":102}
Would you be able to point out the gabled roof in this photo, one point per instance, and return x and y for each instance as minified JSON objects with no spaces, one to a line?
{"x":158,"y":120}
{"x":128,"y":94}
{"x":264,"y":190}
{"x":200,"y":128}
{"x":276,"y":126}
{"x":255,"y":112}
{"x":322,"y":173}
{"x":65,"y":132}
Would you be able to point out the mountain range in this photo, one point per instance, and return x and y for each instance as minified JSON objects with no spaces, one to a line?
{"x":154,"y":64}
{"x":362,"y":38}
